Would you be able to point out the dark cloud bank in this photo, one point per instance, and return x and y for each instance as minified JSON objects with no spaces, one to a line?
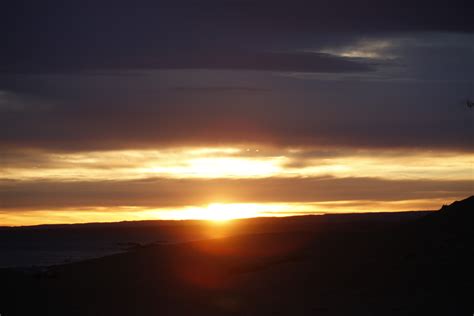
{"x":161,"y":192}
{"x":238,"y":34}
{"x":134,"y":119}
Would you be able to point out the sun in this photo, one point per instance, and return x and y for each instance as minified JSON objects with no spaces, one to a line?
{"x":221,"y":212}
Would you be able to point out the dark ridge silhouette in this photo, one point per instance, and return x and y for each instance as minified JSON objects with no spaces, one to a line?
{"x":458,"y":215}
{"x":460,"y":210}
{"x":335,"y":266}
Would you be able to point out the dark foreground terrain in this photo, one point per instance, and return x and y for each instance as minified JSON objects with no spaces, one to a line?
{"x":352,"y":265}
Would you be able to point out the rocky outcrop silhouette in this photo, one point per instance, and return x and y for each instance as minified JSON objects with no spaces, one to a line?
{"x":457,"y":216}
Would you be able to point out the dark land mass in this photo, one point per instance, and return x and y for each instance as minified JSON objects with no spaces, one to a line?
{"x":370,"y":264}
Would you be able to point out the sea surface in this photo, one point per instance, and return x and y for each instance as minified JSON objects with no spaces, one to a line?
{"x":30,"y":247}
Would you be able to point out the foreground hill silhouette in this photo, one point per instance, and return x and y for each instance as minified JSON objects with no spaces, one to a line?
{"x":356,"y":266}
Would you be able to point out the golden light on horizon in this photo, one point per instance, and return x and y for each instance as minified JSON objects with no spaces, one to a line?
{"x":214,"y":183}
{"x":221,"y":212}
{"x":218,"y":212}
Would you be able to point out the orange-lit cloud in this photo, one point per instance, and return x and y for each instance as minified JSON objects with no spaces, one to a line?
{"x":225,"y":182}
{"x":237,"y":162}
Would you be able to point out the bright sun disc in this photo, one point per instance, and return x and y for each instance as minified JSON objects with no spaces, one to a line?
{"x":220,"y":212}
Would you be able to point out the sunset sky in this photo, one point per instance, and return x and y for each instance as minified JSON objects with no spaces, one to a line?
{"x":115,"y":111}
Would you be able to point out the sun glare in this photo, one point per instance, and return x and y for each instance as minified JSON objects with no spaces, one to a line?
{"x":221,"y":212}
{"x":214,"y":212}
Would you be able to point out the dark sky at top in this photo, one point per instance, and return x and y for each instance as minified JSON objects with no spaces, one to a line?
{"x":82,"y":75}
{"x":59,"y":35}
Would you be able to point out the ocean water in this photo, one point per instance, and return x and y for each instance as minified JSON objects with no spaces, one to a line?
{"x":30,"y":247}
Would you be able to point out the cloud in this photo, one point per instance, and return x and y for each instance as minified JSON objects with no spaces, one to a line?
{"x":234,"y":163}
{"x":106,"y":113}
{"x":12,"y":102}
{"x":410,"y":101}
{"x":197,"y":59}
{"x":220,"y":89}
{"x":364,"y":48}
{"x":160,"y":192}
{"x":208,"y":34}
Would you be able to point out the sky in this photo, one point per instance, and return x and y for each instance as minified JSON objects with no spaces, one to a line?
{"x":121,"y":110}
